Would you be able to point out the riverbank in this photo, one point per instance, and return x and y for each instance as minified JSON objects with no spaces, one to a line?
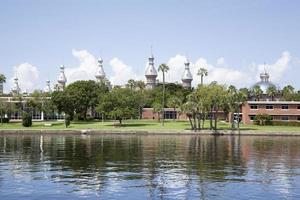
{"x":141,"y":132}
{"x":143,"y":127}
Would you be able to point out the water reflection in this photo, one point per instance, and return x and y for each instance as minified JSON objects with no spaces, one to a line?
{"x":149,"y":167}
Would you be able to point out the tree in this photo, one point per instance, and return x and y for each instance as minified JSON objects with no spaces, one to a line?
{"x":288,"y":93}
{"x":272,"y":92}
{"x":202,"y":72}
{"x":174,"y":102}
{"x":2,"y":80}
{"x":131,"y":84}
{"x":78,"y":98}
{"x":140,"y":85}
{"x":257,"y":92}
{"x":158,"y":109}
{"x":119,"y":105}
{"x":164,"y":69}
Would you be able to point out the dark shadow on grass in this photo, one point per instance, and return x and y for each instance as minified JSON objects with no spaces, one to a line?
{"x":129,"y":125}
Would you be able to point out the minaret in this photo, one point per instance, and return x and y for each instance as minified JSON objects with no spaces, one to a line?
{"x":100,"y":74}
{"x":16,"y":89}
{"x":47,"y":88}
{"x":187,"y":76}
{"x":62,"y":80}
{"x":151,"y":73}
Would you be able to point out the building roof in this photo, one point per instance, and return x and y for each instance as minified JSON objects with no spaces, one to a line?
{"x":273,"y":102}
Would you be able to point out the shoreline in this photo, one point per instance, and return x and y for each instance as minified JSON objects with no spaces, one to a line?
{"x":145,"y":132}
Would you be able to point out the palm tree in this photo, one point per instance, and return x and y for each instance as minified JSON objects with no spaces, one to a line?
{"x":164,"y":69}
{"x":272,"y":92}
{"x":288,"y":92}
{"x":2,"y":80}
{"x":257,"y":92}
{"x":140,"y":85}
{"x":174,"y":102}
{"x":131,"y":83}
{"x":202,"y":72}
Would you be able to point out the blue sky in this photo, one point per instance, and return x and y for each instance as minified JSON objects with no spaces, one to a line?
{"x":232,"y":38}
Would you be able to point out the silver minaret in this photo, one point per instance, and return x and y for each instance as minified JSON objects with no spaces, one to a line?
{"x":100,"y":74}
{"x":62,"y":80}
{"x":47,"y":88}
{"x":16,"y":89}
{"x":187,"y":77}
{"x":151,"y":73}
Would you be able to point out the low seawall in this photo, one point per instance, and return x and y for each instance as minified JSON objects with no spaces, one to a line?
{"x":150,"y":132}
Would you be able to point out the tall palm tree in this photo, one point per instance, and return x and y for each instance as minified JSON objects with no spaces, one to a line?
{"x":174,"y":102}
{"x":202,"y":72}
{"x":2,"y":80}
{"x":272,"y":92}
{"x":164,"y":69}
{"x":257,"y":92}
{"x":288,"y":92}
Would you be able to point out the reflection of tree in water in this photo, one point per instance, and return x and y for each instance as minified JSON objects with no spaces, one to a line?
{"x":165,"y":164}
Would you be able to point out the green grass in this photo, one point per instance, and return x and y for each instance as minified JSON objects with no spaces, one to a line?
{"x":146,"y":125}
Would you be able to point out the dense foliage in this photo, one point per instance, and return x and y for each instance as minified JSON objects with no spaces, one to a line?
{"x":26,"y":119}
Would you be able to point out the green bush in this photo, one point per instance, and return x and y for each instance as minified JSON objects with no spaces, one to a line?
{"x":67,"y":120}
{"x":285,"y":123}
{"x":5,"y":120}
{"x":263,"y":119}
{"x":26,"y":119}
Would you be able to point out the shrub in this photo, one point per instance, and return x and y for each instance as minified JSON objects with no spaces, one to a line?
{"x":5,"y":120}
{"x":67,"y":120}
{"x":285,"y":123}
{"x":26,"y":119}
{"x":263,"y":119}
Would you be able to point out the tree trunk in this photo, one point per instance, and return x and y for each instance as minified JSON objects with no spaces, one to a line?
{"x":210,"y":119}
{"x":174,"y":114}
{"x":216,"y":118}
{"x":163,"y":116}
{"x":202,"y":80}
{"x":191,"y":123}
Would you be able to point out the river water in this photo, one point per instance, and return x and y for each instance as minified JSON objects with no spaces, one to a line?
{"x":149,"y":167}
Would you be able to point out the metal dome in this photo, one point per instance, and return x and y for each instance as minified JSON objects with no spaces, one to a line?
{"x":151,"y":71}
{"x":264,"y":83}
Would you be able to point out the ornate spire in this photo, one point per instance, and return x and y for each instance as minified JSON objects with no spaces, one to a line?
{"x":100,"y":74}
{"x":16,"y":89}
{"x":187,"y":75}
{"x":150,"y":72}
{"x":48,"y":87}
{"x":62,"y":80}
{"x":264,"y":77}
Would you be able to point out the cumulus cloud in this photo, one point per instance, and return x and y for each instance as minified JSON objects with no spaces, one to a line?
{"x":221,"y":61}
{"x":28,"y":76}
{"x":121,"y":72}
{"x":86,"y":69}
{"x":225,"y":74}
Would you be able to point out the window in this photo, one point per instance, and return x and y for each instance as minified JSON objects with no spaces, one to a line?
{"x":284,"y":118}
{"x":253,"y":107}
{"x":170,"y":115}
{"x":298,"y":118}
{"x":269,"y":107}
{"x":252,"y":117}
{"x":298,"y":107}
{"x":284,"y":107}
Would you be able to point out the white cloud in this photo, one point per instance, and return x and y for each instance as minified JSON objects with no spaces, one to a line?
{"x":86,"y":69}
{"x":221,"y":61}
{"x":122,"y":72}
{"x":28,"y":76}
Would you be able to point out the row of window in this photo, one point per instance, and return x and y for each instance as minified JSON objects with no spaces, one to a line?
{"x":271,"y":107}
{"x":283,"y":118}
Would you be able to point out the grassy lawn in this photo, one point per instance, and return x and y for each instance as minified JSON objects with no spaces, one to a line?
{"x":138,"y":125}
